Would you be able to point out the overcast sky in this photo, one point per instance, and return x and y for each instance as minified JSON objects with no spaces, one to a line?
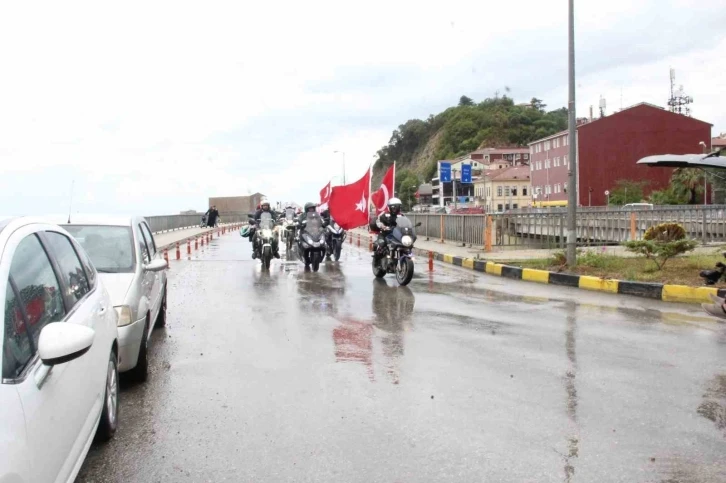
{"x":152,"y":107}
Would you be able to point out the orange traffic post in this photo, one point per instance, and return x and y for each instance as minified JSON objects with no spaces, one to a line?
{"x":178,"y":253}
{"x":189,"y":247}
{"x":196,"y":243}
{"x":431,"y":261}
{"x":488,"y":234}
{"x":632,"y":226}
{"x":166,"y":256}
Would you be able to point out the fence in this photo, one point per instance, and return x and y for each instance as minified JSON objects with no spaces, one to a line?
{"x":548,"y":230}
{"x":176,"y":222}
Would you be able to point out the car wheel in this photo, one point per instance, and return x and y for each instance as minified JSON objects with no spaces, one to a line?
{"x":161,"y":318}
{"x":140,"y":373}
{"x":109,"y":416}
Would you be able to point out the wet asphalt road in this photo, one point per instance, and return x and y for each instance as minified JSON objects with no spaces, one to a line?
{"x":290,"y":376}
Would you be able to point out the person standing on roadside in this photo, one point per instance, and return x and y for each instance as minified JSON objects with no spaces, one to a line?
{"x":212,"y":215}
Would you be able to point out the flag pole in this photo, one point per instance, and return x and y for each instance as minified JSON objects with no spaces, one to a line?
{"x":394,"y":179}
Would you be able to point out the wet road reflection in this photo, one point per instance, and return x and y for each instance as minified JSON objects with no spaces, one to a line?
{"x":334,"y":376}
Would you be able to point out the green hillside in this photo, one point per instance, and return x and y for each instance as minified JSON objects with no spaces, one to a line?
{"x":495,"y":122}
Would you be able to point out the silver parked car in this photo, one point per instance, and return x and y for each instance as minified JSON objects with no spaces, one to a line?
{"x":133,"y":271}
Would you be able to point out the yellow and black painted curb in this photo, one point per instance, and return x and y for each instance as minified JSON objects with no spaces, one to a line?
{"x":657,"y":291}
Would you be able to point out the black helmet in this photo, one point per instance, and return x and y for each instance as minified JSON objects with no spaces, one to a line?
{"x":308,"y":206}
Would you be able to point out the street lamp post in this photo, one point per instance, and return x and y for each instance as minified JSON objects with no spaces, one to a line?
{"x":572,"y":144}
{"x":343,"y":153}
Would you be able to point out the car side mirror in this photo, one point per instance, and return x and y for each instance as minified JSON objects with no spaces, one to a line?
{"x":418,"y":224}
{"x":62,"y":342}
{"x":156,"y":265}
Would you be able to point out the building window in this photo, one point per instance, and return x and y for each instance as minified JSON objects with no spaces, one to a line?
{"x":499,"y":191}
{"x":524,"y":191}
{"x":507,"y":192}
{"x":517,"y":156}
{"x":500,"y":208}
{"x":514,"y":191}
{"x":547,"y":164}
{"x":514,"y":206}
{"x":547,"y":145}
{"x":489,"y":191}
{"x":567,"y":139}
{"x":531,"y":150}
{"x":526,"y":156}
{"x":565,"y":160}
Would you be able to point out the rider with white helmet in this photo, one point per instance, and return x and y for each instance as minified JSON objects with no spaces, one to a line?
{"x":264,"y":208}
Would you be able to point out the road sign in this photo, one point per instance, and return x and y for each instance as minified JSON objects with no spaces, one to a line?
{"x":466,"y":173}
{"x":444,"y":172}
{"x":607,"y":192}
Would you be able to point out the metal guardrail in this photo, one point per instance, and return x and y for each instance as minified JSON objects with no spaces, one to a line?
{"x":548,"y":230}
{"x":164,"y":223}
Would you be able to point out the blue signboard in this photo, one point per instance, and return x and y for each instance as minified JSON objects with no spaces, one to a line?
{"x":466,"y":173}
{"x":463,"y":199}
{"x":444,"y":172}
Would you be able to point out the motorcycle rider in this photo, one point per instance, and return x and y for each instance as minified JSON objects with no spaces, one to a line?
{"x":386,"y":222}
{"x":263,"y":208}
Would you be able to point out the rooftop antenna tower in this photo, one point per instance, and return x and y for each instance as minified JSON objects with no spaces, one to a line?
{"x":679,"y":102}
{"x":603,"y":105}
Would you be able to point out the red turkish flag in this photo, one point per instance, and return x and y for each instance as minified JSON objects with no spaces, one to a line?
{"x":349,"y":204}
{"x":325,"y":196}
{"x":380,"y":197}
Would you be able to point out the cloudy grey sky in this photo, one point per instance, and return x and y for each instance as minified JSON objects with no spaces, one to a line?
{"x":152,"y":106}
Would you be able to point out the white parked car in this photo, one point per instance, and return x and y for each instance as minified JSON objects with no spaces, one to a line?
{"x":124,"y":253}
{"x":59,"y":354}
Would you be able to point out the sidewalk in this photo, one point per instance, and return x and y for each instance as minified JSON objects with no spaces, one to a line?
{"x":169,"y":238}
{"x":499,"y":255}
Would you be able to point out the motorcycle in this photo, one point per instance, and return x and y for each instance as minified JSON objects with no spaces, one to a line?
{"x":288,"y":231}
{"x":266,"y":239}
{"x":311,"y":241}
{"x":398,"y":253}
{"x":334,"y":238}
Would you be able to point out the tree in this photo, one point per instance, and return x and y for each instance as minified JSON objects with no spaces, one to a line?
{"x":688,"y":182}
{"x":668,"y":196}
{"x":627,"y":191}
{"x":661,"y":243}
{"x":406,"y":187}
{"x":466,"y":101}
{"x":538,"y":104}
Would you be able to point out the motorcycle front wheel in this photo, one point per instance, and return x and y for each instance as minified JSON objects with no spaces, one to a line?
{"x":338,"y":248}
{"x":266,"y":257}
{"x":316,"y":260}
{"x":404,"y":271}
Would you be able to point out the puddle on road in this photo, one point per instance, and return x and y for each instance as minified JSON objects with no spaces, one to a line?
{"x":713,"y":406}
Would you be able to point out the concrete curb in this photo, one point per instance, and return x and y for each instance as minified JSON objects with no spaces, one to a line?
{"x":657,"y":291}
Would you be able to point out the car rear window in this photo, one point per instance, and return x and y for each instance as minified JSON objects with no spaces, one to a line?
{"x":110,"y":247}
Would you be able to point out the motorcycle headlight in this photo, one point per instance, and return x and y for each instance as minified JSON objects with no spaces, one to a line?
{"x":316,"y":244}
{"x":308,"y":239}
{"x":125,"y":317}
{"x":407,"y":241}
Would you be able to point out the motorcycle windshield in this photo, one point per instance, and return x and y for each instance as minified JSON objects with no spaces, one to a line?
{"x":403,"y":227}
{"x":314,"y":226}
{"x":266,"y":222}
{"x":290,"y":214}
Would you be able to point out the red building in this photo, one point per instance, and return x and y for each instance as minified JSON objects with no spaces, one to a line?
{"x":607,"y":150}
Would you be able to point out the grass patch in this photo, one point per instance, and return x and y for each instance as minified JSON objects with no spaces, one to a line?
{"x":679,"y":271}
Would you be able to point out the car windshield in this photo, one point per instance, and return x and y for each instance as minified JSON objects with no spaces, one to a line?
{"x":110,"y":247}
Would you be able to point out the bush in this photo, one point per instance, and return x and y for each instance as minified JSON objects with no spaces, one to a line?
{"x":665,"y":232}
{"x":662,"y":242}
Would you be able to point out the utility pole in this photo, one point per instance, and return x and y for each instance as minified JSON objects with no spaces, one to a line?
{"x":572,"y":144}
{"x":453,"y":185}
